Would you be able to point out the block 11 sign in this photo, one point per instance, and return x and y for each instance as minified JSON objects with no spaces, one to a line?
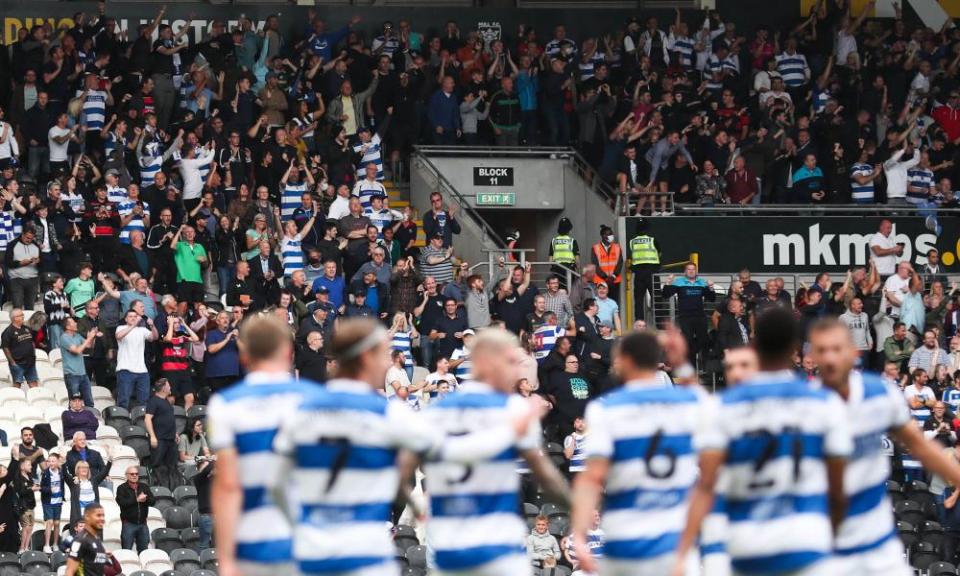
{"x":490,"y":176}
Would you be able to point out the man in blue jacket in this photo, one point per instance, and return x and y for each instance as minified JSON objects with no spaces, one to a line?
{"x":444,"y":114}
{"x":691,"y":292}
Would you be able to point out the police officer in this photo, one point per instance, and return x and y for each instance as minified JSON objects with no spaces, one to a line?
{"x":607,"y":256}
{"x":644,"y":263}
{"x":564,"y":252}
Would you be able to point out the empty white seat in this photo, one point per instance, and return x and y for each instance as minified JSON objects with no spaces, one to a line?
{"x":55,"y":356}
{"x":155,"y":560}
{"x":110,"y":509}
{"x":63,"y":397}
{"x":53,"y":413}
{"x":108,"y":436}
{"x":12,"y":398}
{"x":57,"y":427}
{"x":155,"y":519}
{"x":29,"y":416}
{"x":102,"y":398}
{"x":111,"y":535}
{"x":41,"y":397}
{"x":103,"y":450}
{"x":106,"y":495}
{"x":45,"y":371}
{"x":128,"y":560}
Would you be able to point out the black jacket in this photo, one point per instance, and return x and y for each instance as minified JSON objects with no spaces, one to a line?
{"x":131,"y":511}
{"x":127,"y":261}
{"x":266,"y":291}
{"x":728,"y":331}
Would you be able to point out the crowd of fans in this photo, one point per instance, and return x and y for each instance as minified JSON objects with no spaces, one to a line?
{"x":154,"y":193}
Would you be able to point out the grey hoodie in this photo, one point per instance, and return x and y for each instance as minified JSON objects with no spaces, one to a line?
{"x":540,"y":546}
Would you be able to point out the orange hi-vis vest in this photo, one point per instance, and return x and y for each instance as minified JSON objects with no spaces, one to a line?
{"x":608,"y":260}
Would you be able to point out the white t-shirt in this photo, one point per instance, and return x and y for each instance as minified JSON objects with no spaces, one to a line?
{"x":130,"y":350}
{"x":58,"y":152}
{"x":886,"y":265}
{"x":395,"y":374}
{"x":900,"y":287}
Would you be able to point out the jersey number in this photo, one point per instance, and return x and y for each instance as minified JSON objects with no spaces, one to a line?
{"x":771,"y":447}
{"x":662,"y":469}
{"x":341,"y":448}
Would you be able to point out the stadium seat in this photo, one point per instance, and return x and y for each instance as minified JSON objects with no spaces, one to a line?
{"x":405,"y":537}
{"x":111,"y":534}
{"x":909,"y":511}
{"x":918,"y":491}
{"x":932,"y":532}
{"x":164,"y":499}
{"x":550,"y":510}
{"x":102,"y":397}
{"x":29,"y":416}
{"x":189,"y":470}
{"x":166,"y":539}
{"x":559,"y":525}
{"x":185,"y":496}
{"x":208,"y":559}
{"x":202,"y":573}
{"x":9,"y":564}
{"x":171,"y":573}
{"x":116,"y":416}
{"x":36,"y":539}
{"x":128,"y":560}
{"x":177,"y":518}
{"x":922,"y":555}
{"x":417,"y":556}
{"x":12,"y":398}
{"x":408,"y":571}
{"x":41,"y":398}
{"x":185,"y":560}
{"x":55,"y":356}
{"x":136,"y":415}
{"x":197,"y":411}
{"x":155,"y":560}
{"x":941,"y":569}
{"x":155,"y":519}
{"x":142,"y":573}
{"x":554,"y":449}
{"x":180,"y":415}
{"x":53,"y":414}
{"x":136,"y":437}
{"x":34,"y":563}
{"x":556,"y":571}
{"x":191,"y":538}
{"x":57,"y":559}
{"x":108,"y":435}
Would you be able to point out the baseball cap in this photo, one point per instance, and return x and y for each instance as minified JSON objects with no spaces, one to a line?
{"x":76,"y":396}
{"x":323,"y":290}
{"x":113,"y":172}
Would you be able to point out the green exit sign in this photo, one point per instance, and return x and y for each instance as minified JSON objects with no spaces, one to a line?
{"x":497,"y":199}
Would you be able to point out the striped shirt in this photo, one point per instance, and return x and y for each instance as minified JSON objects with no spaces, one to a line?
{"x":364,"y":189}
{"x":291,"y":199}
{"x":778,"y":432}
{"x":149,"y":166}
{"x":873,"y":408}
{"x":922,"y":179}
{"x":442,"y":272}
{"x":372,"y":155}
{"x":793,"y":68}
{"x":951,"y":397}
{"x":246,"y":417}
{"x":56,"y":487}
{"x":116,"y":194}
{"x":302,"y":122}
{"x":861,"y":193}
{"x":650,"y":435}
{"x":113,"y":143}
{"x":473,"y":509}
{"x":684,"y":47}
{"x":342,"y":443}
{"x":6,"y":228}
{"x":544,"y":339}
{"x":464,"y":370}
{"x":53,"y":302}
{"x":379,"y":218}
{"x":137,"y":223}
{"x":291,"y":252}
{"x":94,"y":112}
{"x":402,"y":341}
{"x":578,"y":461}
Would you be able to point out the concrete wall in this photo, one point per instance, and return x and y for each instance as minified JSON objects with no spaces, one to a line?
{"x":549,"y":190}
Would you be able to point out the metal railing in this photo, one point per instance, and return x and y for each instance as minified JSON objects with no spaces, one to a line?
{"x":490,"y":235}
{"x":808,"y":209}
{"x":577,"y":161}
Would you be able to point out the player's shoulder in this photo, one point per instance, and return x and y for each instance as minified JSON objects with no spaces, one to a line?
{"x":793,"y":388}
{"x":874,"y":386}
{"x":468,"y":399}
{"x":321,"y":399}
{"x":650,"y":395}
{"x":245,"y":390}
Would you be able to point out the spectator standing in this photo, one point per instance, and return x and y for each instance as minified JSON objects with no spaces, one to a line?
{"x":189,"y":256}
{"x":18,"y":347}
{"x":162,"y":428}
{"x":134,"y":499}
{"x":897,"y":348}
{"x":447,"y":333}
{"x":52,"y":485}
{"x":607,"y":256}
{"x":897,"y":170}
{"x":920,"y":397}
{"x":859,"y":324}
{"x":222,"y":358}
{"x":505,"y":114}
{"x":21,"y":261}
{"x":132,"y":373}
{"x":73,"y":346}
{"x":76,"y":418}
{"x":691,"y":292}
{"x":885,"y":250}
{"x":202,"y":482}
{"x":436,"y":261}
{"x":443,"y":113}
{"x":441,"y":220}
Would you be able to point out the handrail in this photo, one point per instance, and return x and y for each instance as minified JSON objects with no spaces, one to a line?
{"x":827,"y":209}
{"x":488,"y":230}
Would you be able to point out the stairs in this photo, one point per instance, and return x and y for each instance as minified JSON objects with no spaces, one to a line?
{"x":399,"y":198}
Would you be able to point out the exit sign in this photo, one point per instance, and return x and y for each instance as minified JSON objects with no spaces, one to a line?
{"x":497,"y":199}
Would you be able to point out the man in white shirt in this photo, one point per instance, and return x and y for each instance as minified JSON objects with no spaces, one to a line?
{"x":340,"y":206}
{"x":885,"y":250}
{"x":896,"y":171}
{"x":131,"y":368}
{"x":895,"y":288}
{"x":58,"y":140}
{"x":190,"y":166}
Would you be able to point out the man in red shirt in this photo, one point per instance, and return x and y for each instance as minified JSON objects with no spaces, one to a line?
{"x":742,"y":184}
{"x":948,"y":116}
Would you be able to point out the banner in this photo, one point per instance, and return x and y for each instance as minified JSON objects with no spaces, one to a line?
{"x":793,"y":243}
